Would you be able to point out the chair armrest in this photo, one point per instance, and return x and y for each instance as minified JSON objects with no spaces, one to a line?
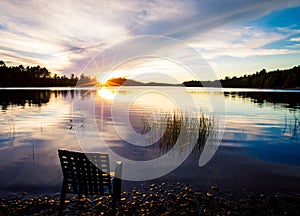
{"x":118,"y":170}
{"x":117,"y":180}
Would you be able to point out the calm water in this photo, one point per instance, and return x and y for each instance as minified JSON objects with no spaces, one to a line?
{"x":259,"y":149}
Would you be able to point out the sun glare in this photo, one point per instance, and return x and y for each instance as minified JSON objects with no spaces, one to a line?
{"x":112,"y":75}
{"x":106,"y":93}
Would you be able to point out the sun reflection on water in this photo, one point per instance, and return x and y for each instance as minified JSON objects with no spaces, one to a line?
{"x":106,"y":93}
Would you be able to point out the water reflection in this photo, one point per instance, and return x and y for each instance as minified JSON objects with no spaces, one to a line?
{"x":262,"y":129}
{"x":287,"y":99}
{"x":106,"y":93}
{"x":281,"y":100}
{"x":37,"y":97}
{"x":22,"y":98}
{"x":155,"y":124}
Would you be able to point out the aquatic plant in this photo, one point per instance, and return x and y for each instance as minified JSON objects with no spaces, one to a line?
{"x":292,"y":126}
{"x":178,"y":127}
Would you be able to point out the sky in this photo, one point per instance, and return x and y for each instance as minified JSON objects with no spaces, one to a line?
{"x":234,"y":37}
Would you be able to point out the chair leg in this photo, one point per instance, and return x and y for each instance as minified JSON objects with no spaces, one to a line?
{"x":116,"y":196}
{"x":62,"y":198}
{"x":113,"y":212}
{"x":114,"y":208}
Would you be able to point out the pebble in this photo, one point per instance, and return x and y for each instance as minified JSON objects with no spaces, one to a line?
{"x":214,"y":188}
{"x":175,"y":199}
{"x":209,"y":194}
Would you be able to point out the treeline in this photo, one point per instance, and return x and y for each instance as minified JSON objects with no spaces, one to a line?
{"x":279,"y":79}
{"x":289,"y":78}
{"x":37,"y":76}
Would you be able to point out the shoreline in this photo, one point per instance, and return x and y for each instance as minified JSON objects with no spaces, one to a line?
{"x":160,"y":199}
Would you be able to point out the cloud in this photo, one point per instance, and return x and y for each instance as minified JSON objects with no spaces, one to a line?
{"x":64,"y":35}
{"x":240,"y":41}
{"x":297,"y":39}
{"x":69,"y":31}
{"x":212,"y":14}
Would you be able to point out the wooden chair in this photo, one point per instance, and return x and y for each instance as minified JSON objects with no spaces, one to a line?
{"x":89,"y":174}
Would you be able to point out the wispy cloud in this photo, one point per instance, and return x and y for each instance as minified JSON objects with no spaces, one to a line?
{"x":238,"y":41}
{"x":297,"y":39}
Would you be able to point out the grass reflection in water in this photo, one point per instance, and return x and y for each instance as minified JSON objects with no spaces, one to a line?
{"x":178,"y":131}
{"x":292,"y":126}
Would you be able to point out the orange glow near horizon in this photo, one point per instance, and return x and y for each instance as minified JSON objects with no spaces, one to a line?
{"x":112,"y":75}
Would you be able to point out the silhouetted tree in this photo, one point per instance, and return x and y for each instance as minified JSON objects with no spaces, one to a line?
{"x":2,"y":63}
{"x":289,"y":78}
{"x":35,"y":76}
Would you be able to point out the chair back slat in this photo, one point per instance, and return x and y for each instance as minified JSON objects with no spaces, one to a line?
{"x":86,"y":173}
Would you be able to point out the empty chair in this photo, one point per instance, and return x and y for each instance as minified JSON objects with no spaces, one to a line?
{"x":89,"y":174}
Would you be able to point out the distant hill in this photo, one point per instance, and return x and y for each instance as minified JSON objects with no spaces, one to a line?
{"x":129,"y":82}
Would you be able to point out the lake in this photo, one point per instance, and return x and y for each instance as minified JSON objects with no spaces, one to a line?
{"x":252,"y":136}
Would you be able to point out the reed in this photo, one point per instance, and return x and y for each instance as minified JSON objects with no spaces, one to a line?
{"x":292,"y":126}
{"x":178,"y":127}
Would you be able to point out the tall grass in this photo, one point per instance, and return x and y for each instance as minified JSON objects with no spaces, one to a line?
{"x":178,"y":130}
{"x":292,"y":126}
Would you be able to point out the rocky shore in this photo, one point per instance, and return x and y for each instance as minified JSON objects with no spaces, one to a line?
{"x":161,"y":199}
